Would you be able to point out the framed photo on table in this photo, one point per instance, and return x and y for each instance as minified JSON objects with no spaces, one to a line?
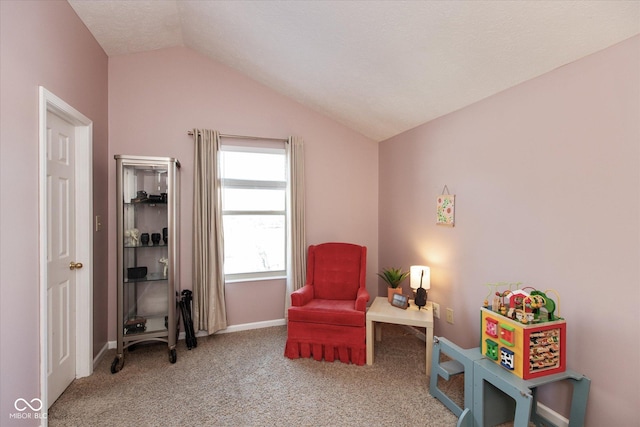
{"x":400,"y":301}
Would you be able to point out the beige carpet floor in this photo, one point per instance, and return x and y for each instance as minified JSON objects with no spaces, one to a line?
{"x":243,"y":379}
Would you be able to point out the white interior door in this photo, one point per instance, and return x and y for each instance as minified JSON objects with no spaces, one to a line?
{"x":65,"y":230}
{"x":61,"y":256}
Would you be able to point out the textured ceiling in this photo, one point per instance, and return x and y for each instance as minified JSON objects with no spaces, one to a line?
{"x":378,"y":67}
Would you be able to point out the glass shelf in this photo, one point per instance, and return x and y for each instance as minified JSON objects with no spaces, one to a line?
{"x":153,"y":324}
{"x":145,"y":203}
{"x":146,"y":246}
{"x":150,"y":277}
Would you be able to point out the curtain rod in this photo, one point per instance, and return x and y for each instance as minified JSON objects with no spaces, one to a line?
{"x":223,"y":135}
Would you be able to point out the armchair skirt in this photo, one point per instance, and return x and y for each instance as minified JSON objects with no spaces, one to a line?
{"x":328,"y":342}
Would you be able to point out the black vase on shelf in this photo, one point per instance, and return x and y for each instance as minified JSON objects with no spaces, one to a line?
{"x":155,"y":238}
{"x":144,"y":239}
{"x":165,"y":235}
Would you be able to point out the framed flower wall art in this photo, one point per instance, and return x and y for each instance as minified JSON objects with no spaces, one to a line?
{"x":445,"y":208}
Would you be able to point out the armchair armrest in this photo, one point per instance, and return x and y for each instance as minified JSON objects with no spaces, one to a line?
{"x":361,"y":299}
{"x":302,"y":296}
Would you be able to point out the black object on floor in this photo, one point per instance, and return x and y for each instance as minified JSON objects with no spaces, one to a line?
{"x":185,"y":310}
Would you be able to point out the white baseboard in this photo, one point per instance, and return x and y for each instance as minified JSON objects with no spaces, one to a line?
{"x":551,"y":415}
{"x":254,"y":325}
{"x":414,"y":330}
{"x":234,"y":328}
{"x":100,"y":355}
{"x":242,"y":327}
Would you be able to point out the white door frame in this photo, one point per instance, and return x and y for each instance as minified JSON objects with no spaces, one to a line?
{"x":84,"y":236}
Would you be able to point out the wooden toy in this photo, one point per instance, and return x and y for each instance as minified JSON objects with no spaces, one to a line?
{"x":521,"y":333}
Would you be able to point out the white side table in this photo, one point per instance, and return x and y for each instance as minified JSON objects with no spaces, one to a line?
{"x":382,"y":311}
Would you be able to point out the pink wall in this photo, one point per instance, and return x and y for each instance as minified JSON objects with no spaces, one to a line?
{"x":42,"y":43}
{"x":156,"y":97}
{"x":546,"y":177}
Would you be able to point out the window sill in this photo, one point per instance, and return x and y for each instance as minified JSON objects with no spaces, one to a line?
{"x":254,"y":279}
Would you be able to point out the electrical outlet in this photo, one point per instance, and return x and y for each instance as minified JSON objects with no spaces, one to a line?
{"x":436,"y":309}
{"x":450,"y":315}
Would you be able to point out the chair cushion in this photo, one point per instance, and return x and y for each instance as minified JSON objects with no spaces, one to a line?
{"x":332,"y":312}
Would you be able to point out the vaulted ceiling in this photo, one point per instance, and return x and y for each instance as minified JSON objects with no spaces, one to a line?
{"x":378,"y":67}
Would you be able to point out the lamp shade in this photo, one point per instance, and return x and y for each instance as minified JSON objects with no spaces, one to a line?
{"x":418,"y":273}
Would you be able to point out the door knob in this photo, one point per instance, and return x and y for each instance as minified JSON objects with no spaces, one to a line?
{"x":75,"y":265}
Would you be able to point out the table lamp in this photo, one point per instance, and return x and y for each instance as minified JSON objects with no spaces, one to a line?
{"x":420,"y":283}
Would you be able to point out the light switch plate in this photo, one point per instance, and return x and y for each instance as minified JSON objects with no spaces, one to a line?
{"x":436,"y":309}
{"x":450,"y":315}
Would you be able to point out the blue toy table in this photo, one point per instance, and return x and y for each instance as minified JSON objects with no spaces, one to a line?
{"x":508,"y":396}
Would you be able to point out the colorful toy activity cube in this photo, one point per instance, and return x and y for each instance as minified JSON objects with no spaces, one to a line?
{"x":521,"y":338}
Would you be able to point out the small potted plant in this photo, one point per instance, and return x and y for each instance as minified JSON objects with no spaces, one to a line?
{"x":393,"y":277}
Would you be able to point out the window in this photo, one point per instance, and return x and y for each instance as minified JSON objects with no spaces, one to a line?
{"x":254,"y":217}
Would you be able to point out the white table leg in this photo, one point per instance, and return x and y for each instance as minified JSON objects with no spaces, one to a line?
{"x":429,"y":343}
{"x":370,"y":327}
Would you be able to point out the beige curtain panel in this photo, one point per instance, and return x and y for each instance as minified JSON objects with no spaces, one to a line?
{"x":298,"y":248}
{"x":209,"y":312}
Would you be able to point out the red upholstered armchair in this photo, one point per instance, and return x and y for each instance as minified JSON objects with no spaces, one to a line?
{"x":327,"y":315}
